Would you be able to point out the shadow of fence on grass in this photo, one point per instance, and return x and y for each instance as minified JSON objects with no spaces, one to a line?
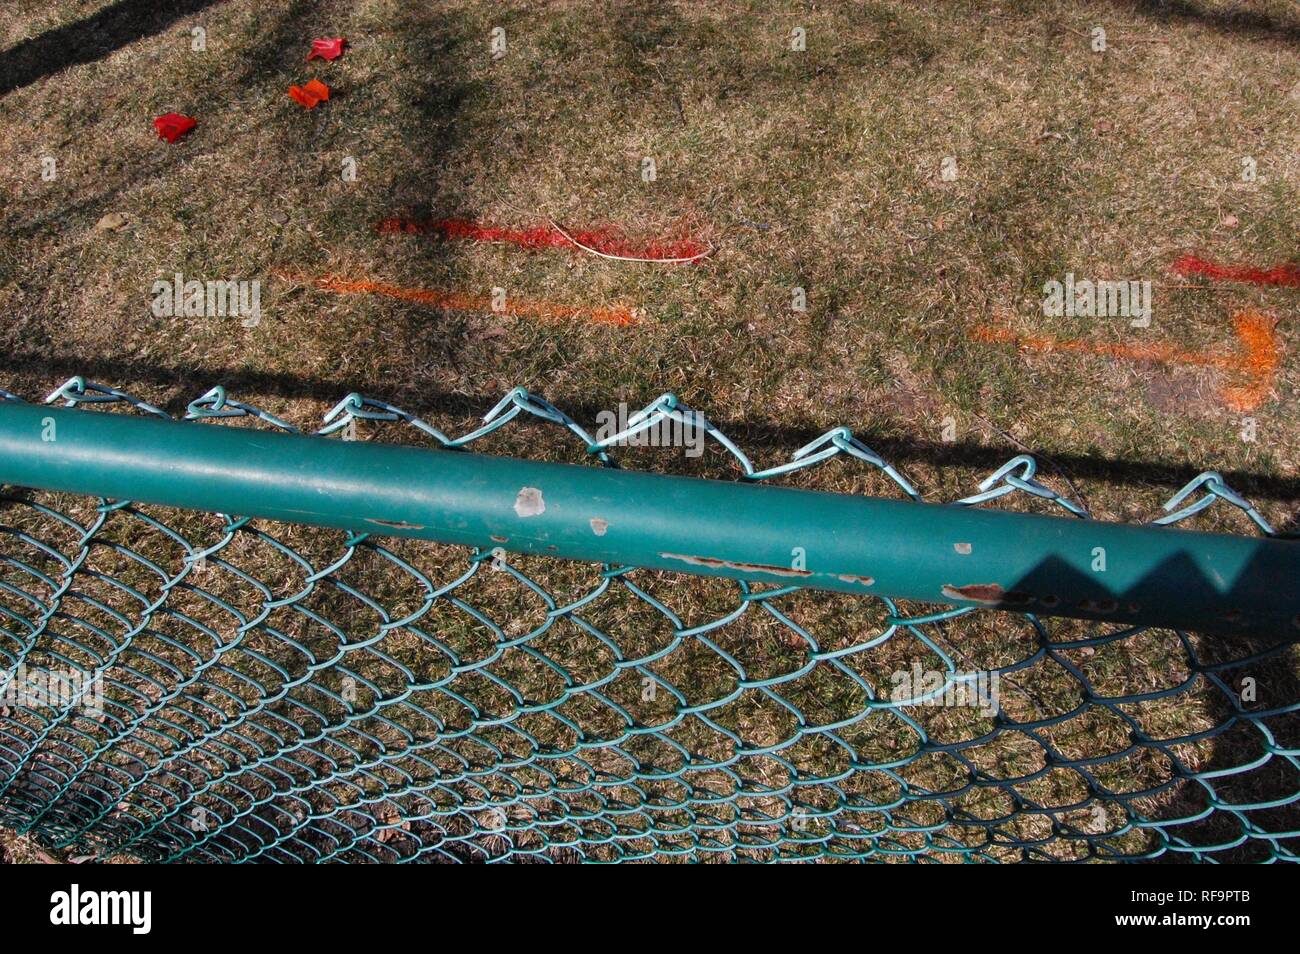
{"x":1248,"y":24}
{"x":90,"y":39}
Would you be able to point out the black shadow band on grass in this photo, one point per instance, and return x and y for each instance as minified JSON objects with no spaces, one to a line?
{"x":93,"y":38}
{"x":1250,"y":24}
{"x":749,"y":433}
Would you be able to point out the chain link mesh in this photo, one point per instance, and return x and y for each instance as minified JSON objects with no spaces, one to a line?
{"x":269,"y":692}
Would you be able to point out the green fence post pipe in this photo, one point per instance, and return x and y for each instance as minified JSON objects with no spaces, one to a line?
{"x":900,"y":549}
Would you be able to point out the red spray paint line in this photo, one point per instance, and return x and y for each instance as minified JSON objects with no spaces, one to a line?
{"x":605,"y":240}
{"x":1256,"y":365}
{"x":457,"y":301}
{"x":1284,"y":276}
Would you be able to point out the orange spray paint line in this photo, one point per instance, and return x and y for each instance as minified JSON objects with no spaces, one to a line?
{"x":1256,"y":365}
{"x":458,"y":301}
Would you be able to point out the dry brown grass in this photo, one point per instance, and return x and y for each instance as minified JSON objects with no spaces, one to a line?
{"x":817,"y":169}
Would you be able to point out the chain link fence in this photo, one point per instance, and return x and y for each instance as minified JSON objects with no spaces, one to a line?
{"x":210,"y":687}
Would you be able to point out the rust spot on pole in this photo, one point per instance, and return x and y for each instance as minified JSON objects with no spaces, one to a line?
{"x":989,"y":593}
{"x":1099,"y":606}
{"x":713,"y":563}
{"x":861,"y":580}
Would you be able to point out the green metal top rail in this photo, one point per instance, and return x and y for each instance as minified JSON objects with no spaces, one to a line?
{"x":1048,"y":565}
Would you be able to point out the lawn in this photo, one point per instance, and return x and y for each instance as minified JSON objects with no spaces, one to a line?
{"x":877,"y":184}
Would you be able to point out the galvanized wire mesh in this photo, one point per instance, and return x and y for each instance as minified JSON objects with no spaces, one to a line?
{"x":281,"y":693}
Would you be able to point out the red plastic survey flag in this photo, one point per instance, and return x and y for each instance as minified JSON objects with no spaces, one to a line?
{"x":173,"y":125}
{"x":327,"y":49}
{"x":309,"y":95}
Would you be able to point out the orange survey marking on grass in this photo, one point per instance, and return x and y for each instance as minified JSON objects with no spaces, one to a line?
{"x":1256,"y":365}
{"x":458,"y":301}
